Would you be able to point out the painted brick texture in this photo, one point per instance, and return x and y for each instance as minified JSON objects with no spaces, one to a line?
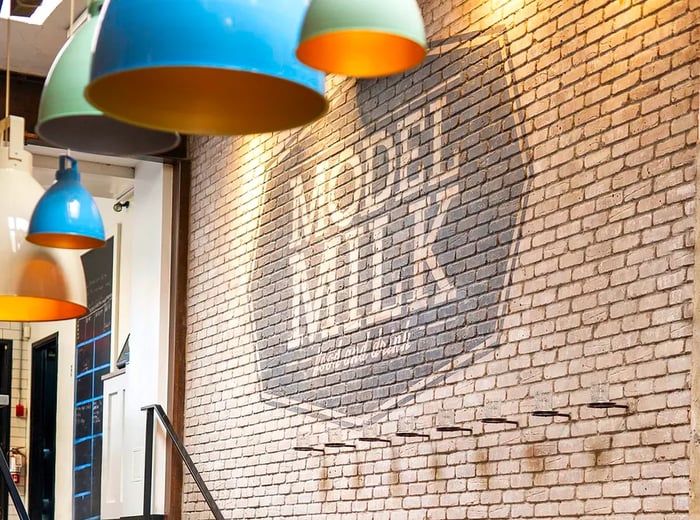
{"x":507,"y":228}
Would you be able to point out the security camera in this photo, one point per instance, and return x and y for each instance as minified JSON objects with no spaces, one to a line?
{"x":118,"y":206}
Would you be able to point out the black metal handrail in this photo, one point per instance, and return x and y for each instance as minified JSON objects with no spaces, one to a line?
{"x":148,"y":476}
{"x":12,"y":488}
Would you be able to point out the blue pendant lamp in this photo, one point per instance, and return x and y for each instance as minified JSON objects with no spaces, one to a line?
{"x":67,"y":120}
{"x":204,"y":66}
{"x":67,"y":216}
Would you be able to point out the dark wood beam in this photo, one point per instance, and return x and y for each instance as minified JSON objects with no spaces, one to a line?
{"x":25,"y":95}
{"x":24,"y":8}
{"x":178,"y":334}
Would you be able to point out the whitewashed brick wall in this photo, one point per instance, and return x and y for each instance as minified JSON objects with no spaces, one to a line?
{"x":515,"y":217}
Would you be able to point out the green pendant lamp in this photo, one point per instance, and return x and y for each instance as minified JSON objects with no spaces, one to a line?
{"x":67,"y":120}
{"x":362,"y":38}
{"x":36,"y":283}
{"x":213,"y":67}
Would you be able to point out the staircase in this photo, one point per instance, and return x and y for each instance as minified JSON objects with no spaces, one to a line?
{"x":151,"y":411}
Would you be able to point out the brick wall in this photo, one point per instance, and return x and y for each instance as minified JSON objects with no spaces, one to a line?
{"x":508,"y":226}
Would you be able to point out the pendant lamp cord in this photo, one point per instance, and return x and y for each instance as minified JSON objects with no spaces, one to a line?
{"x":7,"y":71}
{"x":72,"y":17}
{"x":70,"y":34}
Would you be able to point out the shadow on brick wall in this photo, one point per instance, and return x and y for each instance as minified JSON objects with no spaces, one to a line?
{"x":390,"y":233}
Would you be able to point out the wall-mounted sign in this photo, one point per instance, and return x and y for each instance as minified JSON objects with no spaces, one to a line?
{"x":385,"y":257}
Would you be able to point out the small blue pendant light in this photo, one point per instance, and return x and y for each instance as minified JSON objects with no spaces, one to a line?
{"x":213,"y":67}
{"x":67,"y":216}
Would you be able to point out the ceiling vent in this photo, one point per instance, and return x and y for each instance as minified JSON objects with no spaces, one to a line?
{"x":24,"y":8}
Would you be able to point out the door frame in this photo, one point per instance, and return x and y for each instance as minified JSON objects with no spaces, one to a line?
{"x":5,"y":413}
{"x":35,"y":458}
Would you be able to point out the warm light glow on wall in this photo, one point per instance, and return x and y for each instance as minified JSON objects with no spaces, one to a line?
{"x":497,"y":13}
{"x":248,"y":196}
{"x":254,"y":178}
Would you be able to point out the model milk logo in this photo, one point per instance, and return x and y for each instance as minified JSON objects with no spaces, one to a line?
{"x":396,"y":246}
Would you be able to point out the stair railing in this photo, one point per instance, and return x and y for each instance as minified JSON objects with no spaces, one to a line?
{"x":12,"y":489}
{"x":148,"y":476}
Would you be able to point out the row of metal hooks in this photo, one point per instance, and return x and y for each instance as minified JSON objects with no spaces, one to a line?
{"x":336,"y":437}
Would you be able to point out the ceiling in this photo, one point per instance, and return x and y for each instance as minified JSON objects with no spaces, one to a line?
{"x":32,"y":47}
{"x":32,"y":51}
{"x":108,"y":177}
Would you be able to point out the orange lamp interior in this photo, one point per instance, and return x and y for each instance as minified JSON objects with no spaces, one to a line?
{"x":236,"y":102}
{"x":64,"y":241}
{"x":360,"y":53}
{"x":27,"y":308}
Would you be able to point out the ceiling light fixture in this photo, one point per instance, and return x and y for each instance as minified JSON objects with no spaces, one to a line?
{"x":362,"y":38}
{"x":67,"y":216}
{"x":204,"y":66}
{"x":67,"y":120}
{"x":36,"y":283}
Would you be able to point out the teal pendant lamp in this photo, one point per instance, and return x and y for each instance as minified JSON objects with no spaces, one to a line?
{"x":36,"y":283}
{"x":67,"y":120}
{"x":219,"y":67}
{"x":362,"y":38}
{"x":67,"y":216}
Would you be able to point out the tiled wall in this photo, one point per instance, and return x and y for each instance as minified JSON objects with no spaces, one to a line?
{"x":21,"y":369}
{"x":503,"y":229}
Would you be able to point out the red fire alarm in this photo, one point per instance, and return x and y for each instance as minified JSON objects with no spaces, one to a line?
{"x":19,"y":410}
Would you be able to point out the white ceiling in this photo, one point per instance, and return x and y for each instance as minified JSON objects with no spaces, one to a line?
{"x":33,"y":48}
{"x":108,"y":177}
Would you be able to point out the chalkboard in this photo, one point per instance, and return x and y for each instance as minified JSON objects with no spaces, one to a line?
{"x":97,"y":264}
{"x":92,"y":361}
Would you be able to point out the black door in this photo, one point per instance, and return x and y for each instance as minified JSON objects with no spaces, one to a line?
{"x":42,"y":435}
{"x":5,"y":386}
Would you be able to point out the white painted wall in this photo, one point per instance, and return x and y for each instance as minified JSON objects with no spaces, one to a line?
{"x":66,"y":360}
{"x":141,"y":307}
{"x":121,"y":302}
{"x":113,"y":445}
{"x":146,"y":374}
{"x":64,"y":407}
